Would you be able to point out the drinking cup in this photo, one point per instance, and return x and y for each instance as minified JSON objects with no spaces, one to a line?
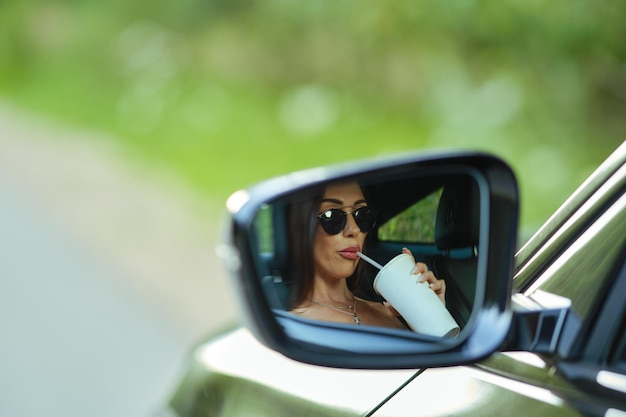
{"x":416,"y":302}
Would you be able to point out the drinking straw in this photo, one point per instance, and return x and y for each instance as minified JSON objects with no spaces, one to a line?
{"x":369,"y":260}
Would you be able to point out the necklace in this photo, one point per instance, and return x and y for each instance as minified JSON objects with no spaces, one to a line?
{"x":356,"y":318}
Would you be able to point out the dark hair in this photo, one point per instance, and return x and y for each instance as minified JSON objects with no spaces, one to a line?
{"x":302,"y":222}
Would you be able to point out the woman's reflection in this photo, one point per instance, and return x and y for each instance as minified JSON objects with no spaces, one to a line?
{"x":325,"y":265}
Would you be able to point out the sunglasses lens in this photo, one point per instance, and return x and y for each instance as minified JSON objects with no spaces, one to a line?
{"x":333,"y":221}
{"x":365,"y":218}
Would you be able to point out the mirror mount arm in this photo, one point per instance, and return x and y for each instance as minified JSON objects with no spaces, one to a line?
{"x":538,"y":321}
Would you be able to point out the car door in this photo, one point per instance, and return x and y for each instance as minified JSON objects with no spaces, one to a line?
{"x":583,"y":372}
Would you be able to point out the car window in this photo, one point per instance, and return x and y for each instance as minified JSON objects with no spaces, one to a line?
{"x":264,"y":230}
{"x":416,"y":224}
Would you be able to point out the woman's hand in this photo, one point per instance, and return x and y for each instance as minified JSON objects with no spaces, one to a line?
{"x":437,"y":285}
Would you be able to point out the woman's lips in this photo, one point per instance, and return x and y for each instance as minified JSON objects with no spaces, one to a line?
{"x":350,"y":253}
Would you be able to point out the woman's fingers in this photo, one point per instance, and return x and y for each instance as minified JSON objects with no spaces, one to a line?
{"x":437,"y":285}
{"x":407,"y":251}
{"x":420,"y":268}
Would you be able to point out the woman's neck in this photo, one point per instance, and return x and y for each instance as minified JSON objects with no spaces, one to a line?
{"x":336,"y":292}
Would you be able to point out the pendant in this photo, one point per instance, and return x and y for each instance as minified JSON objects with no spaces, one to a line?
{"x":357,"y":320}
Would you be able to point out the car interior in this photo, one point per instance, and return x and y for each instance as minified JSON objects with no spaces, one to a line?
{"x":449,"y":248}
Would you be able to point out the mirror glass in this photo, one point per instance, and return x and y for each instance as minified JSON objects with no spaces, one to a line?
{"x":319,"y":249}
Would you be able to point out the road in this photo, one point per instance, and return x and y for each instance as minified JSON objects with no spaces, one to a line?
{"x":107,"y":270}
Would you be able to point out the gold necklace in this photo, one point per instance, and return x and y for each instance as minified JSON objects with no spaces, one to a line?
{"x":356,"y":318}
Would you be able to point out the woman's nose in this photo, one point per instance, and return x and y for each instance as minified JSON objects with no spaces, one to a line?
{"x":351,"y":227}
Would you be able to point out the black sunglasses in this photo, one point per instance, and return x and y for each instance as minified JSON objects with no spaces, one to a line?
{"x":334,"y":220}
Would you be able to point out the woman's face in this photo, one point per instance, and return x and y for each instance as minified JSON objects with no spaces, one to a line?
{"x":334,"y":256}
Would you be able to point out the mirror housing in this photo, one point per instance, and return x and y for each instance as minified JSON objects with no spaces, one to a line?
{"x":366,"y":347}
{"x":538,"y":322}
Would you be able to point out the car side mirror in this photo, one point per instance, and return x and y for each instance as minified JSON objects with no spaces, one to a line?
{"x":456,"y":212}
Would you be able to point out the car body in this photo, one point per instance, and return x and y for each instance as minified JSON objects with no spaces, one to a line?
{"x":564,"y":353}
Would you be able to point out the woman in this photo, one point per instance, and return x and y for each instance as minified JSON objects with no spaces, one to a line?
{"x":327,"y":269}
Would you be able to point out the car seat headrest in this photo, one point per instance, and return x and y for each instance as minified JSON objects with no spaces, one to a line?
{"x":458,"y":216}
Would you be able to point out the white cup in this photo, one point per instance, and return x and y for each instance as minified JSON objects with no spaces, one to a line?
{"x":416,"y":302}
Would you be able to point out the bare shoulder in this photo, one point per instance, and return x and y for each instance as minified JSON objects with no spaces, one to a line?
{"x":377,"y":314}
{"x":311,"y":311}
{"x":303,"y":310}
{"x":377,"y":306}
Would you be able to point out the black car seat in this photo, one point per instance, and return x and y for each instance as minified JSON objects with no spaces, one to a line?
{"x":456,"y":235}
{"x":277,"y":291}
{"x":275,"y":281}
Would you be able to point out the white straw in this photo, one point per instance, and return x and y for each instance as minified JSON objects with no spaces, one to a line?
{"x":369,"y":260}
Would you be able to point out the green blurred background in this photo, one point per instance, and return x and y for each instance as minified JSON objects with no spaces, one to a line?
{"x":227,"y":93}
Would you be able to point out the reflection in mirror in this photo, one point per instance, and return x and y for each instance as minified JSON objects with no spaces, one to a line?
{"x":317,"y":250}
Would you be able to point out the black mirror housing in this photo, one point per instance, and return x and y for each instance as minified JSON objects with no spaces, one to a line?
{"x":366,"y":347}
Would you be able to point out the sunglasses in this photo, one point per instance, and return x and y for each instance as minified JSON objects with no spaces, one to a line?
{"x":333,"y":221}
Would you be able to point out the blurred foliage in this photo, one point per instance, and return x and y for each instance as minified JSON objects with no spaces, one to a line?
{"x":230,"y":92}
{"x":415,"y":224}
{"x":264,"y":230}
